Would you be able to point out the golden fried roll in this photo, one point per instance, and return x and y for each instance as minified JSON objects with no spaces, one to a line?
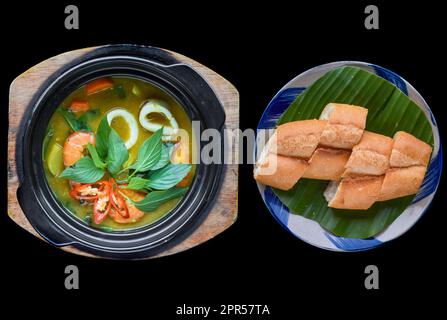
{"x":401,"y":182}
{"x":345,"y":125}
{"x":358,"y":193}
{"x":409,"y":151}
{"x":348,"y":114}
{"x":327,"y":164}
{"x":298,"y":138}
{"x":370,"y":156}
{"x":279,"y":171}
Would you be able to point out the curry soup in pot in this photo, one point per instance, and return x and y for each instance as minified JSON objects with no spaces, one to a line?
{"x":114,"y":155}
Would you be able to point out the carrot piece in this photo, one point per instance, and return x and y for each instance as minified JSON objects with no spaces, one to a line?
{"x":98,"y":85}
{"x":78,"y":105}
{"x":186,"y":181}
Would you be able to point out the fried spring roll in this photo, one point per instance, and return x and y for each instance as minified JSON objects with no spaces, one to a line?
{"x":345,"y":125}
{"x":401,"y":182}
{"x":327,"y":164}
{"x":370,"y":156}
{"x":358,"y":193}
{"x":298,"y":138}
{"x":409,"y":151}
{"x":279,"y":171}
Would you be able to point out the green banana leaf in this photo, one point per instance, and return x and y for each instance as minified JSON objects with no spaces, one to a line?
{"x":389,"y":110}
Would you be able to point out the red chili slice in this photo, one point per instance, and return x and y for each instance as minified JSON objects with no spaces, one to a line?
{"x":134,"y":214}
{"x":88,"y":191}
{"x":118,"y":202}
{"x":85,"y":192}
{"x":102,"y":204}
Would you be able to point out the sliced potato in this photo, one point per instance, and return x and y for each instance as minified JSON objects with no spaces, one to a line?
{"x":55,"y":160}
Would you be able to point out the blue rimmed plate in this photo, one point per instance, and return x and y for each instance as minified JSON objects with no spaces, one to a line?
{"x":309,"y":230}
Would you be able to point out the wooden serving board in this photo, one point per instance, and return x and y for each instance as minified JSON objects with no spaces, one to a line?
{"x":224,"y":211}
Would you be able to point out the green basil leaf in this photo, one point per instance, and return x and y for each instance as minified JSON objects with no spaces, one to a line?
{"x":102,"y":137}
{"x":49,"y":134}
{"x":89,"y":115}
{"x":156,"y":198}
{"x":117,"y":152}
{"x":120,"y":92}
{"x":87,"y":218}
{"x":166,"y":151}
{"x":137,"y":183}
{"x":95,"y":157}
{"x":84,"y":170}
{"x":149,"y":153}
{"x":168,"y":176}
{"x":74,"y":123}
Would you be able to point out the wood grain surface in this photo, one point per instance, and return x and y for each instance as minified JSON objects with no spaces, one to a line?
{"x":224,"y":211}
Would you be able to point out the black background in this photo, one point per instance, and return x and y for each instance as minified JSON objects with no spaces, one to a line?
{"x":258,"y":49}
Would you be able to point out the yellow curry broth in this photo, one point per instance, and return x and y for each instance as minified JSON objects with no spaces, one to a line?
{"x":105,"y":101}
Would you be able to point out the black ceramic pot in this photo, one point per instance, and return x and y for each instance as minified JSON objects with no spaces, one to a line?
{"x":56,"y":224}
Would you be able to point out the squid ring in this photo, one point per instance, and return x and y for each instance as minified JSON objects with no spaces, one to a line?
{"x":158,"y":106}
{"x":131,"y":122}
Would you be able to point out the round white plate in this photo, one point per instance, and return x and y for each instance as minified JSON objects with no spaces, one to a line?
{"x":309,"y":230}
